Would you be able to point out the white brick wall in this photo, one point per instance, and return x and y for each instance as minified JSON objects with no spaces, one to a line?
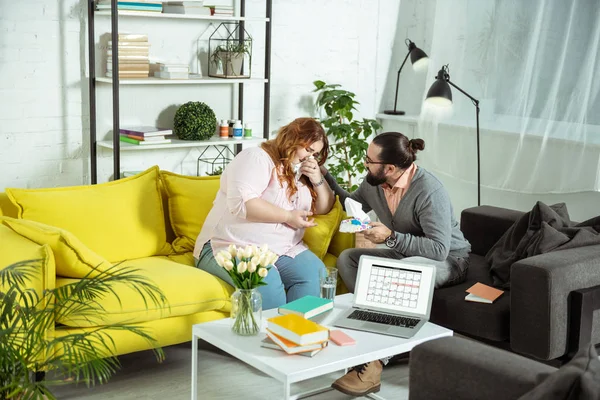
{"x":44,"y":112}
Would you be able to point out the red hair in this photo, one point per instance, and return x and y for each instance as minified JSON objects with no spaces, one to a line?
{"x":300,"y":133}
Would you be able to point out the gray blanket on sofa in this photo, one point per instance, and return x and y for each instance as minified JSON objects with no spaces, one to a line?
{"x":543,"y":229}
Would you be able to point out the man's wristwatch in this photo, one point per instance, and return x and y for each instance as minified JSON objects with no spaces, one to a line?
{"x":391,"y":240}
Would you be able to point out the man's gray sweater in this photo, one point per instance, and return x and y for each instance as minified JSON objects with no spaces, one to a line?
{"x":424,"y":221}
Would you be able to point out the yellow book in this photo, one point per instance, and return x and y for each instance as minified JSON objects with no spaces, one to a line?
{"x":297,"y":329}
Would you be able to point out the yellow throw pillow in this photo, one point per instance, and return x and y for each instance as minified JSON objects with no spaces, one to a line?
{"x":190,"y":200}
{"x":16,"y":248}
{"x":118,"y":220}
{"x":318,"y":237}
{"x":73,"y":259}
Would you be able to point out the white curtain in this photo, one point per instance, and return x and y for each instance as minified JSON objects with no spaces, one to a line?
{"x":535,"y":67}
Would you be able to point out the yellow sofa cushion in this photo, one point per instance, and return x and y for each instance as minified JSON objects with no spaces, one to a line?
{"x":6,"y":207}
{"x":190,"y":200}
{"x":118,"y":220}
{"x":188,"y":290}
{"x":73,"y":258}
{"x":16,"y":248}
{"x":318,"y":237}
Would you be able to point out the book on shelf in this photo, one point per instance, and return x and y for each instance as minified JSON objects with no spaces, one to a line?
{"x":307,"y":306}
{"x":131,"y":53}
{"x":130,"y":67}
{"x":129,"y":60}
{"x":145,"y":131}
{"x":126,"y":139}
{"x":132,"y":37}
{"x":292,"y":348}
{"x":135,"y":44}
{"x":482,"y":293}
{"x":173,"y":67}
{"x":131,"y":5}
{"x":170,"y":75}
{"x":297,"y":329}
{"x":147,"y":138}
{"x":185,"y":9}
{"x":128,"y":74}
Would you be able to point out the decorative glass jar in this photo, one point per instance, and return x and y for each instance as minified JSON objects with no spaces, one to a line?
{"x":246,"y":312}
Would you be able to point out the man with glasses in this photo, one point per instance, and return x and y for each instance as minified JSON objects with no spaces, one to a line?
{"x":416,"y":223}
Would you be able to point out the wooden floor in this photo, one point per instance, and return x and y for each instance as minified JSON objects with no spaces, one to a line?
{"x":221,"y":377}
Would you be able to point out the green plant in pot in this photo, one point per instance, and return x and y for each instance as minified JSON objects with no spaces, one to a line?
{"x":231,"y":57}
{"x":195,"y":120}
{"x":31,"y":344}
{"x":348,"y":136}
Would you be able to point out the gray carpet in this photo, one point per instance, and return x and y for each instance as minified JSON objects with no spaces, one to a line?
{"x":220,"y":377}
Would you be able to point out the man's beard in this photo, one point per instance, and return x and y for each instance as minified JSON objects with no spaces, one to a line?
{"x":376,"y":179}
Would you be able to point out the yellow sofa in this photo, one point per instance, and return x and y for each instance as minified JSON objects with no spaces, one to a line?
{"x":148,"y":222}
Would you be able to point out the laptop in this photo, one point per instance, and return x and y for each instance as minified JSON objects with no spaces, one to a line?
{"x":392,"y":297}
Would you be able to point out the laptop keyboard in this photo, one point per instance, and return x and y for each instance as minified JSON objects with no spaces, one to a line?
{"x":384,"y":319}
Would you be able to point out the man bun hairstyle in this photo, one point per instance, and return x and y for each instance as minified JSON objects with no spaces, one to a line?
{"x":397,"y":149}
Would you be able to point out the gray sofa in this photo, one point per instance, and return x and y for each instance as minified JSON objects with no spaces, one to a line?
{"x":461,"y":369}
{"x":545,"y":315}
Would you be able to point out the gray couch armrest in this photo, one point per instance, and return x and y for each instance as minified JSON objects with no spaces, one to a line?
{"x":457,"y":368}
{"x":484,"y":225}
{"x":540,"y":299}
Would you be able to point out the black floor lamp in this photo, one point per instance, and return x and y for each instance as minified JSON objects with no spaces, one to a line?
{"x":419,"y":60}
{"x":440,"y":95}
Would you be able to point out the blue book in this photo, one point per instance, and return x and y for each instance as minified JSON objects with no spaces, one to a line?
{"x":306,"y":307}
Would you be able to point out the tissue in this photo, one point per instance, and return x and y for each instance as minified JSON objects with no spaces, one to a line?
{"x":360,"y":220}
{"x":296,"y":168}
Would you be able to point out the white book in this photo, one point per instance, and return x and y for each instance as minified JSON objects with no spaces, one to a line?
{"x":171,"y":75}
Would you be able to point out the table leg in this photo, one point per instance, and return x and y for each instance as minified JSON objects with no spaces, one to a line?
{"x":194,"y":367}
{"x":286,"y":390}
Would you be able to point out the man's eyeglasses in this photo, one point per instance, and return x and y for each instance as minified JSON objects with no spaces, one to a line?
{"x":369,"y":161}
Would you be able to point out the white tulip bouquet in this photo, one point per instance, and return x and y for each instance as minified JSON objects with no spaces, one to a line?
{"x":247,"y":267}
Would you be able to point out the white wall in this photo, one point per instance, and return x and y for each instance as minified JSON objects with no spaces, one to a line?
{"x":44,"y":112}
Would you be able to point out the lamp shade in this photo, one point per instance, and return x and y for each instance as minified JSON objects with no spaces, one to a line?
{"x":439,"y":94}
{"x":419,"y":59}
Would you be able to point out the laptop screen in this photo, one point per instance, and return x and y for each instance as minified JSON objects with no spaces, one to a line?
{"x":394,"y":285}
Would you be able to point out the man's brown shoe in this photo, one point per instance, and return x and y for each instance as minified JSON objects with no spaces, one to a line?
{"x":361,"y":380}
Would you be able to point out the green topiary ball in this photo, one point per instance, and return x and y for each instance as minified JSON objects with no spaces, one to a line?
{"x":195,"y":121}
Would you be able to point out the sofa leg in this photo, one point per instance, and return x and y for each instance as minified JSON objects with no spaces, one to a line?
{"x":39,"y":376}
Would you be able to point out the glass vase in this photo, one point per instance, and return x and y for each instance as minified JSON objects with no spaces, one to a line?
{"x":246,"y":312}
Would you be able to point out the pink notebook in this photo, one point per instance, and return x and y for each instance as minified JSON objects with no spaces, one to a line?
{"x":340,"y":338}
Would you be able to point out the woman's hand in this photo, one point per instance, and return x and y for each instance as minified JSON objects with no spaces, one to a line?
{"x":311,"y":169}
{"x":298,"y":219}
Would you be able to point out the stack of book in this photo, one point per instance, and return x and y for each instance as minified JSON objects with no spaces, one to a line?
{"x":134,"y":5}
{"x":145,"y":135}
{"x":221,"y":11}
{"x":194,"y":7}
{"x":172,"y":71}
{"x":134,"y":56}
{"x":296,"y":335}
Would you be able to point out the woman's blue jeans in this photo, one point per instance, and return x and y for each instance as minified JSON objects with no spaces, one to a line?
{"x":292,"y":279}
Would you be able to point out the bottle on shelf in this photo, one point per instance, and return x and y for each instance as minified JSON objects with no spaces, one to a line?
{"x":247,"y":131}
{"x":224,"y":129}
{"x":231,"y":122}
{"x":237,"y":130}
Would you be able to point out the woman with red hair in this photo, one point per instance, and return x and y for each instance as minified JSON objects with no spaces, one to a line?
{"x":267,"y":195}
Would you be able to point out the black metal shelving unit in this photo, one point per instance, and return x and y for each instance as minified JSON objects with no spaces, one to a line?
{"x":116,"y":144}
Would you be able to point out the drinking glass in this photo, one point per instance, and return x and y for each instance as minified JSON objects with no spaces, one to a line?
{"x":328,"y":282}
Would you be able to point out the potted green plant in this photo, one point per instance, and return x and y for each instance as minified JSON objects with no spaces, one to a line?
{"x":194,"y":120}
{"x":26,"y":318}
{"x":231,"y":56}
{"x":348,"y":146}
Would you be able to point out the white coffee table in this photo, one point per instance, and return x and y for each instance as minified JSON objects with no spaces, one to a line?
{"x":289,"y":369}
